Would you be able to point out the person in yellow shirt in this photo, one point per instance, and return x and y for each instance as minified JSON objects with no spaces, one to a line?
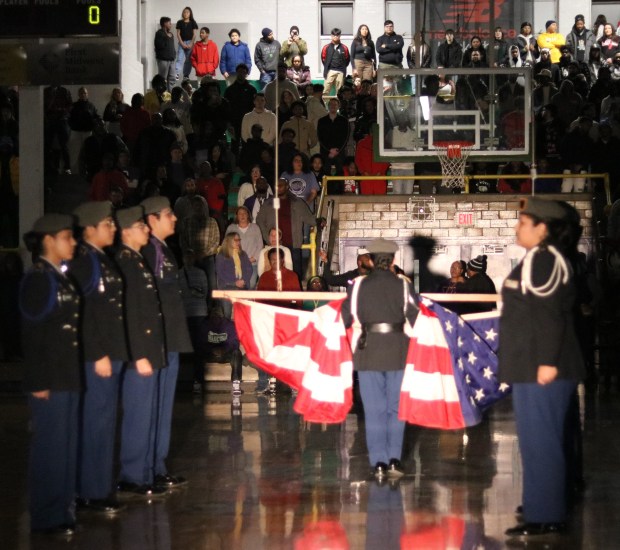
{"x":551,"y":39}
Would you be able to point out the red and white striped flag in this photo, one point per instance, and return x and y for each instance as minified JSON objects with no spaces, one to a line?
{"x":309,"y":351}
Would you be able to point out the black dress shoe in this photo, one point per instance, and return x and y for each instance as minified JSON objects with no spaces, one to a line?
{"x":381,"y":469}
{"x":536,"y":529}
{"x":128,"y":490}
{"x":169,"y":481}
{"x":395,"y":468}
{"x":64,"y":530}
{"x":99,"y":505}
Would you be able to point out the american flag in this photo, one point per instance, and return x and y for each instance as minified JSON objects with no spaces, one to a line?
{"x":451,"y":373}
{"x":450,"y":376}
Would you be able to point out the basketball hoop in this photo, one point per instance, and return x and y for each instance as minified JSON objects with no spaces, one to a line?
{"x":453,"y":157}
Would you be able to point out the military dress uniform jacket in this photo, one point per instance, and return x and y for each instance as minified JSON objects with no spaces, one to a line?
{"x":381,"y":299}
{"x":538,"y":331}
{"x":102,"y":320}
{"x":163,"y":265}
{"x":50,"y":308}
{"x":144,"y":326}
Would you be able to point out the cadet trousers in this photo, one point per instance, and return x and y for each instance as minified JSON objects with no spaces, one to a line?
{"x":139,"y":397}
{"x":541,"y":415}
{"x":53,"y":459}
{"x":380,"y":391}
{"x":97,"y":430}
{"x":166,"y":388}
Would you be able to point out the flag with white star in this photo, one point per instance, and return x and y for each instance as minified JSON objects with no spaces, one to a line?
{"x":451,"y":375}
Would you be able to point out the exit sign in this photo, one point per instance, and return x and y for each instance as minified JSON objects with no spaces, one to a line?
{"x":465,"y":219}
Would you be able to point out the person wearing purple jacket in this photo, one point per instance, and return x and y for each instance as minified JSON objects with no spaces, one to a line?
{"x":232,"y":268}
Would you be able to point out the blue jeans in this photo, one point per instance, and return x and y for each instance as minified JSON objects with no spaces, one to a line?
{"x":266,"y":78}
{"x":183,"y":59}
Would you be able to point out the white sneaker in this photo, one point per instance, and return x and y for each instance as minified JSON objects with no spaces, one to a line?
{"x":236,"y":387}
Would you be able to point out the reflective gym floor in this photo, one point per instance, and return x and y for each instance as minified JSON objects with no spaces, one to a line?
{"x":260,"y":478}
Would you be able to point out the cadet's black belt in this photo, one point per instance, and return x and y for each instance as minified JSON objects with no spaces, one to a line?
{"x":383,"y":328}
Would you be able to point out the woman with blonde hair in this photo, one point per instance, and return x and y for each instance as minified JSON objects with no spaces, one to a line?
{"x":233,"y":268}
{"x":114,"y":111}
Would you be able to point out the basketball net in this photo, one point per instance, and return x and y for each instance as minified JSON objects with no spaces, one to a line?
{"x":453,"y":158}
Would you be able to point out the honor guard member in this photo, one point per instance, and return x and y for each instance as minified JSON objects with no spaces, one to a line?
{"x":541,"y":358}
{"x":161,"y":221}
{"x":104,"y":349}
{"x":382,"y":302}
{"x":50,"y":306}
{"x":145,"y":338}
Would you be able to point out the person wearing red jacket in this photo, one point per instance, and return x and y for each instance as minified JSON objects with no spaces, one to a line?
{"x":368,"y":166}
{"x":205,"y":56}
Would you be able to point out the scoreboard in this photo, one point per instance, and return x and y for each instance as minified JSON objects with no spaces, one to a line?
{"x":58,"y":18}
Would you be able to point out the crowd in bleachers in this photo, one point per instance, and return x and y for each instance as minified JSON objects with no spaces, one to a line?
{"x":224,"y":131}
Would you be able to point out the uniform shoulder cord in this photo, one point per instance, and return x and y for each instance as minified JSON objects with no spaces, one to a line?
{"x":559,"y":275}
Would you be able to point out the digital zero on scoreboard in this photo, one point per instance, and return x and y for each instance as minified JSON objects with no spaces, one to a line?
{"x":58,"y":18}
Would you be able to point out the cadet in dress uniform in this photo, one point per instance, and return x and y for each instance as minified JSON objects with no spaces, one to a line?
{"x":50,"y":306}
{"x":104,"y":349}
{"x":145,"y":338}
{"x":382,"y":301}
{"x":161,"y":260}
{"x":539,"y":355}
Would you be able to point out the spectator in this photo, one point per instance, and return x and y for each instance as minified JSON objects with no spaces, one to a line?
{"x":182,"y":206}
{"x":364,"y":267}
{"x":259,"y":115}
{"x":514,"y":60}
{"x":178,"y":170}
{"x":205,"y":56}
{"x":528,"y":45}
{"x":363,"y":54}
{"x":233,"y":269}
{"x":153,"y":145}
{"x":475,"y":45}
{"x":106,"y":179}
{"x":368,"y":166}
{"x":335,"y":57}
{"x":286,"y":150}
{"x":182,"y":104}
{"x":293,"y":214}
{"x":114,"y":111}
{"x":316,"y":167}
{"x":545,"y":63}
{"x":156,"y":96}
{"x":234,"y":53}
{"x":419,"y":57}
{"x":515,"y":167}
{"x":457,"y":278}
{"x":82,"y":122}
{"x":250,"y":186}
{"x":594,"y":63}
{"x":301,"y":180}
{"x":552,"y":40}
{"x":199,"y":234}
{"x":272,"y":101}
{"x":449,"y":53}
{"x":165,"y":53}
{"x":315,"y":105}
{"x":171,"y":121}
{"x":579,"y":40}
{"x":252,"y":149}
{"x":477,"y":282}
{"x":299,"y":74}
{"x":254,"y":202}
{"x":599,"y":25}
{"x":97,"y":145}
{"x":544,"y":90}
{"x":263,"y":260}
{"x":305,"y":133}
{"x":288,"y":278}
{"x":568,"y":103}
{"x":600,"y":89}
{"x":213,"y":191}
{"x":266,"y":56}
{"x":251,"y":238}
{"x":366,"y":120}
{"x":609,"y":43}
{"x":211,"y":116}
{"x":186,"y":36}
{"x":284,"y":106}
{"x":135,"y":119}
{"x":57,"y":104}
{"x":390,"y":47}
{"x":500,"y":47}
{"x":293,"y":46}
{"x":333,"y":133}
{"x":220,"y":163}
{"x":577,"y":152}
{"x":240,"y":95}
{"x":348,"y":186}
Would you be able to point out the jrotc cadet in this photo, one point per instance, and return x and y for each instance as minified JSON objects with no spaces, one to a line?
{"x":382,"y":302}
{"x":50,"y":307}
{"x":161,"y":221}
{"x":104,"y":349}
{"x":145,"y":339}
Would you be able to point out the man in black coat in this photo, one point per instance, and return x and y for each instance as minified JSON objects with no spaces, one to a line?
{"x":161,"y":221}
{"x":449,"y":53}
{"x":477,"y":282}
{"x":145,"y":337}
{"x":382,"y":302}
{"x":104,"y":350}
